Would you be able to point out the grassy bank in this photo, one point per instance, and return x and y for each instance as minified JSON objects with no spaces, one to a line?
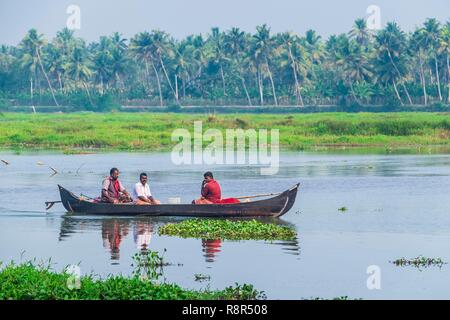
{"x":152,"y":131}
{"x":28,"y":282}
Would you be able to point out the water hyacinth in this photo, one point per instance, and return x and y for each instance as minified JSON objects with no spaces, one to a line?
{"x":227,"y":230}
{"x":30,"y":282}
{"x":419,"y":262}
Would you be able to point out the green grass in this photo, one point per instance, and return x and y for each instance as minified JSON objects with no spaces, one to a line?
{"x":152,"y":131}
{"x":227,"y":229}
{"x":29,"y":282}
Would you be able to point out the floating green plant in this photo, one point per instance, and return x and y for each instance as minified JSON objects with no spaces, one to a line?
{"x":148,"y":265}
{"x":227,"y":229}
{"x":30,"y":282}
{"x":419,"y":262}
{"x":334,"y":298}
{"x":202,"y":277}
{"x":343,"y":209}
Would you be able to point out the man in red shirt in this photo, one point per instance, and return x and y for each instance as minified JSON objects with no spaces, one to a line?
{"x":211,"y":192}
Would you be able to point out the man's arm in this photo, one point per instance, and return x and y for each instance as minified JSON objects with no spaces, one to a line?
{"x":123,"y":190}
{"x":205,"y":189}
{"x":105,"y":195}
{"x":140,"y":193}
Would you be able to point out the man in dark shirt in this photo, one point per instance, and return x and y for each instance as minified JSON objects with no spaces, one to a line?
{"x":112,"y":190}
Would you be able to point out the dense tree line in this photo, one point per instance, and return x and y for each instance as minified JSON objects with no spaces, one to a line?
{"x":233,"y":67}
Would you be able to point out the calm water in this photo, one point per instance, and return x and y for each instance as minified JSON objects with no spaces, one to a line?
{"x":398,"y":206}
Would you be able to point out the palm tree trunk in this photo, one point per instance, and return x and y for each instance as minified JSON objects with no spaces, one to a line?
{"x":147,"y":77}
{"x":353,"y":93}
{"x":245,"y":89}
{"x":438,"y":81}
{"x":31,"y":91}
{"x":298,"y":94}
{"x":159,"y":84}
{"x":424,"y":85}
{"x":271,"y":82}
{"x":88,"y":93}
{"x":176,"y":85}
{"x":396,"y":92}
{"x":400,"y":75}
{"x":60,"y":82}
{"x":407,"y":93}
{"x":168,"y":80}
{"x":223,"y":80}
{"x":260,"y":87}
{"x":46,"y":77}
{"x":448,"y":78}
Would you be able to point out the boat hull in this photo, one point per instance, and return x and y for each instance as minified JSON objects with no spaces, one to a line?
{"x":272,"y":207}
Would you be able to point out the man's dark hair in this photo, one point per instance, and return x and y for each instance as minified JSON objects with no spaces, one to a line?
{"x":143,"y":174}
{"x":208,"y":174}
{"x":112,"y":171}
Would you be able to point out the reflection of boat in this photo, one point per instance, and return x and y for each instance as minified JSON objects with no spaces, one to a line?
{"x":272,"y":207}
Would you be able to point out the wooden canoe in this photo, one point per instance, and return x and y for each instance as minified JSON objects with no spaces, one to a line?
{"x":272,"y":207}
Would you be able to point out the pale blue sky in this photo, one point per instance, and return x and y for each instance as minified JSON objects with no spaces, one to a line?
{"x":183,"y":17}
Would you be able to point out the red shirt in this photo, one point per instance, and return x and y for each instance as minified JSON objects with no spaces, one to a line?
{"x":211,"y":191}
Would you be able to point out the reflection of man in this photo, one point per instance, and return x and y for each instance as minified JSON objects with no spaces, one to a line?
{"x":112,"y":233}
{"x":142,"y":233}
{"x":211,"y":192}
{"x":141,"y":192}
{"x":112,"y":190}
{"x":211,"y":248}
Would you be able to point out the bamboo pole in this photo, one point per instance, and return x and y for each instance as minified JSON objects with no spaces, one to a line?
{"x":259,"y":196}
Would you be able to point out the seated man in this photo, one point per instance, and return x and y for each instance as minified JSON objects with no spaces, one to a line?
{"x":211,"y":192}
{"x":112,"y":190}
{"x":141,"y":192}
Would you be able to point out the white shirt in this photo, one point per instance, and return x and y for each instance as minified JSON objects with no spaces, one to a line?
{"x":141,"y":191}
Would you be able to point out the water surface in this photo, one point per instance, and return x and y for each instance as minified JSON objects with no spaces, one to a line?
{"x":398,"y":206}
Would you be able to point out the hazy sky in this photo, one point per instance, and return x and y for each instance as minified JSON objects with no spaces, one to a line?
{"x":183,"y":17}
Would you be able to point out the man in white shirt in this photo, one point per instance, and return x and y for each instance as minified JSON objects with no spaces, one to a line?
{"x":142,"y":194}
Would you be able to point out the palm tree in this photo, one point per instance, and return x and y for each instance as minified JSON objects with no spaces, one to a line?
{"x":217,"y":40}
{"x":32,"y":44}
{"x":290,"y":41}
{"x":161,"y":47}
{"x":142,"y":48}
{"x":444,"y":48}
{"x":235,"y":45}
{"x":391,"y":42}
{"x":431,"y":29}
{"x":417,"y":47}
{"x":354,"y":63}
{"x":79,"y":69}
{"x":360,"y":33}
{"x":102,"y":63}
{"x":262,"y":51}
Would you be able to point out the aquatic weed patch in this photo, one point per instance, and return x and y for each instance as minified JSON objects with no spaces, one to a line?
{"x":227,"y":230}
{"x":419,"y":262}
{"x":29,"y":282}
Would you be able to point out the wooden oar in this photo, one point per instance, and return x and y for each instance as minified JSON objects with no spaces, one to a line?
{"x":258,"y":196}
{"x":50,"y":204}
